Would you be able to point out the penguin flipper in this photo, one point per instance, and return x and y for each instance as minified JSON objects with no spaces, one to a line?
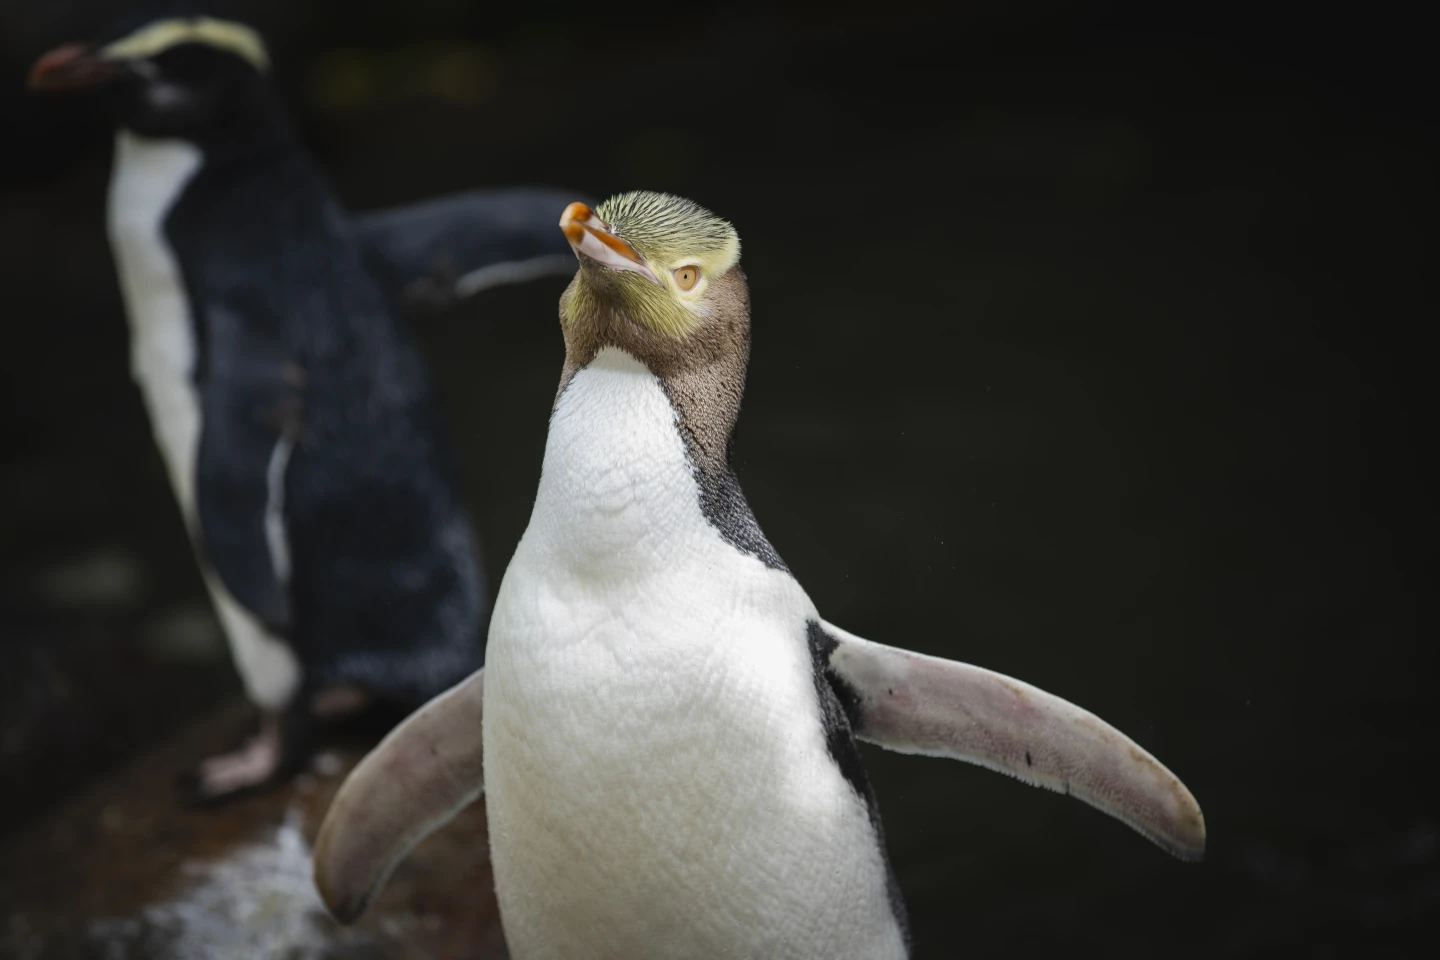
{"x":421,"y":775}
{"x":434,"y":253}
{"x":251,"y":411}
{"x":912,"y":703}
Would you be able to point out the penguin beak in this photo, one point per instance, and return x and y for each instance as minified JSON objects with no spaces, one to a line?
{"x":74,"y":66}
{"x":592,"y":237}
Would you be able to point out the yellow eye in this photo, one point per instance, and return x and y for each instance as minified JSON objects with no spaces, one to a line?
{"x":686,"y":277}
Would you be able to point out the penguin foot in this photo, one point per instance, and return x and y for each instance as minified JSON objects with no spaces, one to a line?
{"x":256,"y":765}
{"x":251,"y":764}
{"x":334,"y":703}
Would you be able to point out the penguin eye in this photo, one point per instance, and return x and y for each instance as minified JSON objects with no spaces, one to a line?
{"x":686,"y":277}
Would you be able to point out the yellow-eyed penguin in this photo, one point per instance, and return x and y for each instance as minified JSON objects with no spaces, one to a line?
{"x":668,"y":748}
{"x":303,"y":440}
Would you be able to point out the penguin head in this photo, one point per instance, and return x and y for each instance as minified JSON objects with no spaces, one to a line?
{"x":189,"y":77}
{"x":658,"y":274}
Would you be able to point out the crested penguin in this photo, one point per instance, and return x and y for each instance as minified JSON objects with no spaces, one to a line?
{"x":301,"y":435}
{"x":666,"y":728}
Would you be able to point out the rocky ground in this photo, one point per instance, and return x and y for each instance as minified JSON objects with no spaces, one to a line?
{"x":118,"y":872}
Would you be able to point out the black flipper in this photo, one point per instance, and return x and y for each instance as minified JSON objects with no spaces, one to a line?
{"x":251,"y":415}
{"x":431,"y":254}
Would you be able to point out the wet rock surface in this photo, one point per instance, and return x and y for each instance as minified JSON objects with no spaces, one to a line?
{"x":121,"y":872}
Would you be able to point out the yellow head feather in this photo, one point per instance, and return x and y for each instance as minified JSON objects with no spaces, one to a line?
{"x":161,"y":35}
{"x":669,"y":232}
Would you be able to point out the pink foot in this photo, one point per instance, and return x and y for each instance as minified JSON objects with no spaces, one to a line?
{"x":254,"y":764}
{"x":335,"y":702}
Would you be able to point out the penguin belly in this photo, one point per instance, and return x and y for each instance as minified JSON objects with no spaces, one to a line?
{"x":149,"y":178}
{"x":656,"y":769}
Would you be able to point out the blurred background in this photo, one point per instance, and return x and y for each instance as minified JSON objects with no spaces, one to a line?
{"x":1088,"y":347}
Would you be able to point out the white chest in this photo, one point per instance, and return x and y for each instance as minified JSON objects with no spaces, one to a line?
{"x":657,"y":776}
{"x":148,"y":178}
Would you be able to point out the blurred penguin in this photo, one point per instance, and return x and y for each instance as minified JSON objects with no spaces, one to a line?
{"x":294,"y":413}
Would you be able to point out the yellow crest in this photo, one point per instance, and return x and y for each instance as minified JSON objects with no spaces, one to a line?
{"x":160,"y":36}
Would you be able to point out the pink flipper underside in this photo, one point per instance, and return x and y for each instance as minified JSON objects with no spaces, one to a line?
{"x":420,"y":776}
{"x":911,"y":703}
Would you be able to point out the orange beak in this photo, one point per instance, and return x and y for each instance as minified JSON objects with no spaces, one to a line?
{"x":592,"y":237}
{"x":73,"y":66}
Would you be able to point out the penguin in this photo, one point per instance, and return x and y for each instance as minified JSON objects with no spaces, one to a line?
{"x":665,"y":729}
{"x":301,"y":435}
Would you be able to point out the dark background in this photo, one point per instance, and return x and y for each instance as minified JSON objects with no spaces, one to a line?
{"x":1088,"y":348}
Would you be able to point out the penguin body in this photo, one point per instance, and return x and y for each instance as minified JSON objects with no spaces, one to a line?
{"x":629,"y":628}
{"x":666,"y":729}
{"x":292,"y":408}
{"x":326,"y":492}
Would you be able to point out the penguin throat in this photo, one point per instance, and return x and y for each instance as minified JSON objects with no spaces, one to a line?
{"x":616,"y":473}
{"x":632,"y":458}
